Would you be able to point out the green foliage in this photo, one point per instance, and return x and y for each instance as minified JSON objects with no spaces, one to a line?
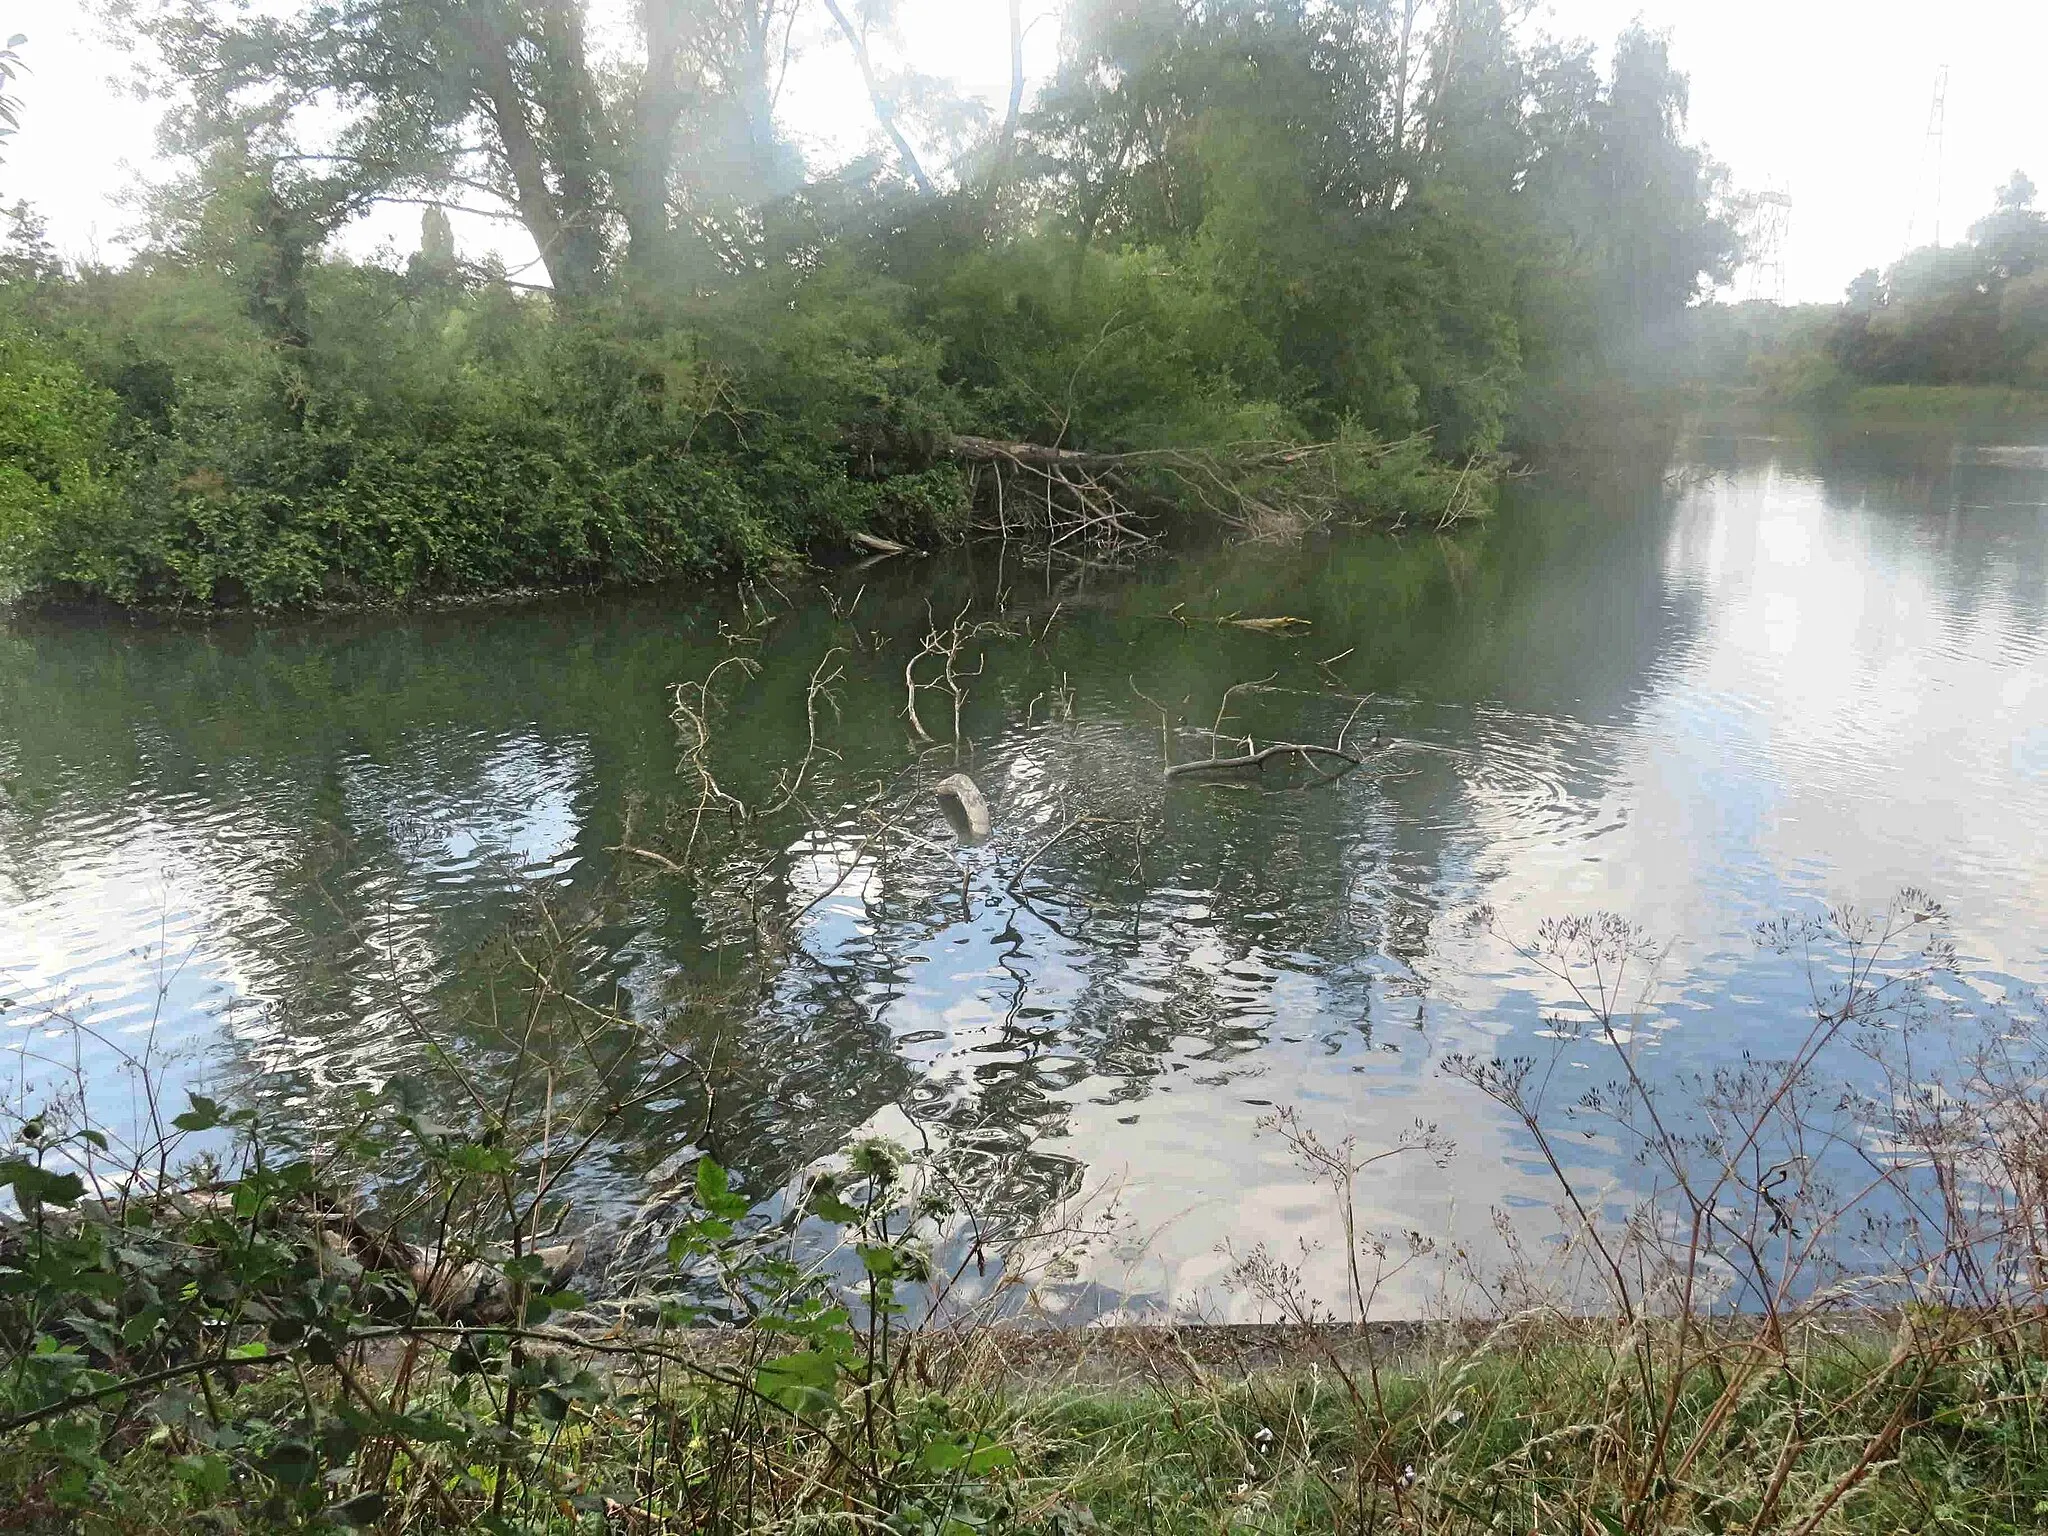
{"x":1219,"y":226}
{"x":219,"y":1347}
{"x":1975,"y":313}
{"x":431,"y":443}
{"x":10,"y":106}
{"x":54,"y":428}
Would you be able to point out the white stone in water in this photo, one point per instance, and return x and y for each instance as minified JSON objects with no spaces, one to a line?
{"x":961,"y":799}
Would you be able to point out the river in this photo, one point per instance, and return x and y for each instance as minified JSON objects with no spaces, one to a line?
{"x":1778,"y":671}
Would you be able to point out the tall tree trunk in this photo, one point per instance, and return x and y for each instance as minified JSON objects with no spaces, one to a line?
{"x":757,"y":100}
{"x":506,"y":108}
{"x":1408,"y":8}
{"x":1016,"y":106}
{"x":648,"y":158}
{"x":569,"y":240}
{"x":1006,"y":145}
{"x":567,"y":97}
{"x":885,"y":114}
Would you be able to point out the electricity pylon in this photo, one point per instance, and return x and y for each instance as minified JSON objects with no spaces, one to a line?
{"x":1931,"y":157}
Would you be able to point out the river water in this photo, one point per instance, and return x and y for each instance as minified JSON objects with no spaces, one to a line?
{"x":1774,"y":672}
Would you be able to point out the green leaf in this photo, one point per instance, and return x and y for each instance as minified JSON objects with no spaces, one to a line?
{"x":527,"y":1267}
{"x":474,"y":1157}
{"x":826,"y":1202}
{"x":205,"y":1473}
{"x":714,"y":1191}
{"x":712,"y":1182}
{"x":806,"y":1368}
{"x":291,"y":1461}
{"x":363,"y":1509}
{"x":204,"y":1114}
{"x":989,"y":1458}
{"x":38,"y":1186}
{"x":801,"y":1382}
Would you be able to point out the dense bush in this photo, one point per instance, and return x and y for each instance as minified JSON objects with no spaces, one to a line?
{"x":1220,"y":229}
{"x":54,"y":431}
{"x":437,"y":439}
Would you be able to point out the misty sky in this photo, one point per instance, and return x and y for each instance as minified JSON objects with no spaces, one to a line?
{"x":1826,"y":100}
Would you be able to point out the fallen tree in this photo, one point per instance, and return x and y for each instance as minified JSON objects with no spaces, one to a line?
{"x":1106,"y":502}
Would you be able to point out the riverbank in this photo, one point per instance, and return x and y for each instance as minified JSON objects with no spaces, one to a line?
{"x":1965,"y":405}
{"x":1961,"y":408}
{"x":1850,"y":1421}
{"x":417,"y":439}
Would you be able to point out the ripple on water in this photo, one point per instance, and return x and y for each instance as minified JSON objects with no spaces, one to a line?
{"x":1787,"y":683}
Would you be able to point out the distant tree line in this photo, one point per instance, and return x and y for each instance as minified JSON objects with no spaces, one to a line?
{"x":1975,"y":313}
{"x":1218,"y":223}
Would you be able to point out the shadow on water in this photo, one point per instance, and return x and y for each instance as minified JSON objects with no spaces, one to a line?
{"x":1780,"y":669}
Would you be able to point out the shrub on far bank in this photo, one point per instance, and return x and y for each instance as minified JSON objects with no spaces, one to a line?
{"x":54,"y":430}
{"x":435,"y":439}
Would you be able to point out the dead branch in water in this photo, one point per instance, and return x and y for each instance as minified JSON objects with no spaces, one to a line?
{"x":691,"y":713}
{"x":1165,"y":723}
{"x":1260,"y":758}
{"x":820,"y":688}
{"x":1255,"y":757}
{"x":1073,"y":500}
{"x":1279,"y":624}
{"x":945,"y":644}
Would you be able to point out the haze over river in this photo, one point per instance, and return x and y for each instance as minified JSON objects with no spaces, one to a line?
{"x":1776,"y":673}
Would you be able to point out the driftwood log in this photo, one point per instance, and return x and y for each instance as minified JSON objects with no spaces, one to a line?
{"x":875,"y":544}
{"x":965,"y":807}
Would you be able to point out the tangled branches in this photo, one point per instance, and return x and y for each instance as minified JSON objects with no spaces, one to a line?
{"x":946,"y":645}
{"x":691,"y":712}
{"x":1100,"y":503}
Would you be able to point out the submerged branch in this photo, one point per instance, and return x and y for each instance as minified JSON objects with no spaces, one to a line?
{"x":1260,"y":758}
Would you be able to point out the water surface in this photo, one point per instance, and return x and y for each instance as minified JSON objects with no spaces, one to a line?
{"x":1773,"y":673}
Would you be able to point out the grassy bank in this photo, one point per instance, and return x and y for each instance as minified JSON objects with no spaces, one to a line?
{"x":1973,"y":403}
{"x":1539,"y":1427}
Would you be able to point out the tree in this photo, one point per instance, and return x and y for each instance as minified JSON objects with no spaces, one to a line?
{"x":881,"y":100}
{"x":1642,"y":214}
{"x":1974,"y":313}
{"x":436,"y":96}
{"x":2013,"y":237}
{"x":10,"y":104}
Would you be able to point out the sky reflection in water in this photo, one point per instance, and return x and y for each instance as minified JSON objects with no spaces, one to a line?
{"x":1790,"y":671}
